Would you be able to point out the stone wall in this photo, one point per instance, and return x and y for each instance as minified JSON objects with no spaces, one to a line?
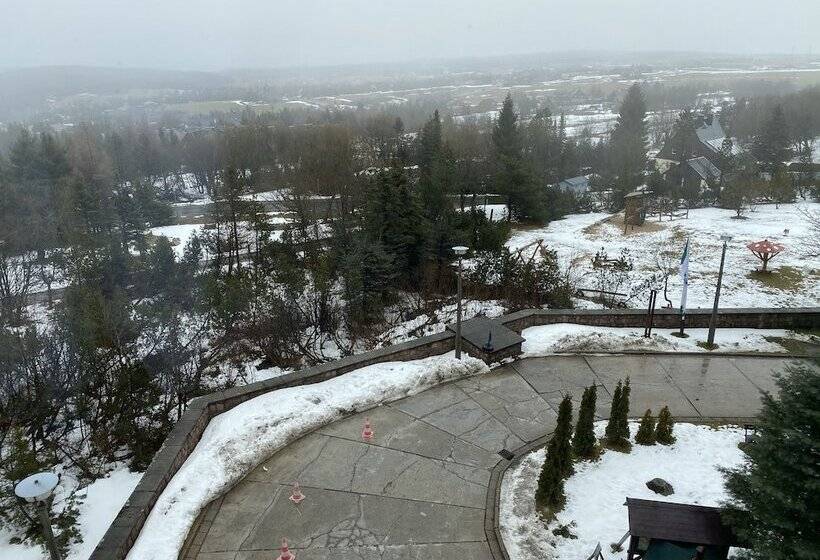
{"x":186,"y":433}
{"x":804,"y":318}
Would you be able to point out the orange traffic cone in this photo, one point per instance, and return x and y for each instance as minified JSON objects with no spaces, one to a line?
{"x":367,"y":432}
{"x":296,"y":495}
{"x":284,"y":552}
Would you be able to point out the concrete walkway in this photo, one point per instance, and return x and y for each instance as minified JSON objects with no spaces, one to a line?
{"x":419,"y":489}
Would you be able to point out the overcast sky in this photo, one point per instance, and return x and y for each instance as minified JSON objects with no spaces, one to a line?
{"x":217,"y":34}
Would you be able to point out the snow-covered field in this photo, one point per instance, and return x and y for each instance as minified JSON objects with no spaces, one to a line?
{"x":566,"y":337}
{"x":579,"y":236}
{"x":178,"y":235}
{"x":597,"y":491}
{"x":103,"y":499}
{"x":239,"y":439}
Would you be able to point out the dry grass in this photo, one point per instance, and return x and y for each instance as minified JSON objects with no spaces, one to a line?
{"x":617,"y":220}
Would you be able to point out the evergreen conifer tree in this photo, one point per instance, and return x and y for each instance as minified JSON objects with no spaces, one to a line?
{"x":646,"y":431}
{"x":628,"y":142}
{"x":775,"y":495}
{"x":550,"y":492}
{"x":583,"y":444}
{"x":623,"y":412}
{"x":558,"y":463}
{"x":611,"y":433}
{"x":563,"y":433}
{"x":513,"y":176}
{"x":663,"y":432}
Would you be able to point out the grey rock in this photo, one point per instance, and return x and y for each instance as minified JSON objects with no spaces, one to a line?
{"x":660,"y":486}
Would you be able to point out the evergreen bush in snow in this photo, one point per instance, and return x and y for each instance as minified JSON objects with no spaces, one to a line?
{"x":563,"y":433}
{"x":646,"y":431}
{"x":558,"y":464}
{"x":623,"y":412}
{"x":617,"y":429}
{"x":583,"y":444}
{"x":611,"y":432}
{"x":775,"y":496}
{"x":663,"y":432}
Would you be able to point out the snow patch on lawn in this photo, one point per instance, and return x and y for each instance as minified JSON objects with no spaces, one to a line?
{"x":103,"y":500}
{"x":568,"y":337}
{"x":577,"y":238}
{"x":238,"y":440}
{"x":596,"y":493}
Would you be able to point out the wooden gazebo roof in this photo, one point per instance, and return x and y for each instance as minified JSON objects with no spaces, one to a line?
{"x":678,"y":522}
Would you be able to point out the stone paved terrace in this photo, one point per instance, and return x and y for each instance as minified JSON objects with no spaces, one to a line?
{"x":419,"y":489}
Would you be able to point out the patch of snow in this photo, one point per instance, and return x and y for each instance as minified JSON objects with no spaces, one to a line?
{"x":238,"y":440}
{"x":494,"y":212}
{"x":566,"y":337}
{"x":103,"y":500}
{"x":178,"y":235}
{"x":597,"y":491}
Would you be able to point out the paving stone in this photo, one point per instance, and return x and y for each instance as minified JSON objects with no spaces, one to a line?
{"x":288,"y":464}
{"x":338,"y":520}
{"x":603,"y":402}
{"x":511,"y":400}
{"x":398,"y":430}
{"x":431,"y":400}
{"x":472,"y":423}
{"x":714,"y":386}
{"x":550,"y":374}
{"x":217,"y":555}
{"x":651,"y":385}
{"x":235,"y":520}
{"x":761,"y":371}
{"x":444,"y":551}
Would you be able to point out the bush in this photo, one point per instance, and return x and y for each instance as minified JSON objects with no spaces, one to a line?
{"x":558,"y":463}
{"x":646,"y":431}
{"x":522,"y":283}
{"x":617,"y":429}
{"x":775,"y":496}
{"x":663,"y":432}
{"x":584,"y":444}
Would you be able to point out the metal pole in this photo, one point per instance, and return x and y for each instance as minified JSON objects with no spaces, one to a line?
{"x":42,"y":509}
{"x":710,"y":341}
{"x":458,"y":314}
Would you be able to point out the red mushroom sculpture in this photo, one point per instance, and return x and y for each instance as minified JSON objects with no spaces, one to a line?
{"x":765,"y":251}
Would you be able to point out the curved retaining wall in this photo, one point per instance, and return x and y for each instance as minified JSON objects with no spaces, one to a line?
{"x":185,"y":435}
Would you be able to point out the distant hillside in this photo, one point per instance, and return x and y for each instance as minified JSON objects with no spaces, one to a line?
{"x":25,"y":90}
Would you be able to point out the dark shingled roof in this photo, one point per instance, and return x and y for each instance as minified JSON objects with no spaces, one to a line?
{"x":476,"y":331}
{"x":678,"y":522}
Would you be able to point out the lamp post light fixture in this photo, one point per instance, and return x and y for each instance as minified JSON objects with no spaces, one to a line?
{"x":459,"y":251}
{"x":710,"y":340}
{"x":37,"y":489}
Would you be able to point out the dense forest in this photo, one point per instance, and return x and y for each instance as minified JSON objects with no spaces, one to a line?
{"x":129,"y":330}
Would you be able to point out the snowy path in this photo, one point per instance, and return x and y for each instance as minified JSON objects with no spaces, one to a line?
{"x":419,"y":488}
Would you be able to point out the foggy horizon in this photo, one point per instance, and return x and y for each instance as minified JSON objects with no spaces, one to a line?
{"x":253,"y":35}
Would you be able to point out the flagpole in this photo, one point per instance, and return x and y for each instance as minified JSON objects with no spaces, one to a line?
{"x":684,"y":272}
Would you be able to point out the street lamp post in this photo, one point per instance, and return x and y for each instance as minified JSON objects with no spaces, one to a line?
{"x":37,"y":489}
{"x":459,"y":251}
{"x":710,"y":341}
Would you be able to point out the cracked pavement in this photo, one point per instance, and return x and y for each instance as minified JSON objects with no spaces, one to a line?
{"x":418,"y":489}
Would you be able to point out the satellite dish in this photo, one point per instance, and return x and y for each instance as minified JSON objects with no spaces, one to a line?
{"x":37,"y":487}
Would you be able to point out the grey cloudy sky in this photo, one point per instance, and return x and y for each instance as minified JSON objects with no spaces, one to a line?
{"x":217,"y":34}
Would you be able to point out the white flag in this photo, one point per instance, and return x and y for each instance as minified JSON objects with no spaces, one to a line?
{"x":684,"y":276}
